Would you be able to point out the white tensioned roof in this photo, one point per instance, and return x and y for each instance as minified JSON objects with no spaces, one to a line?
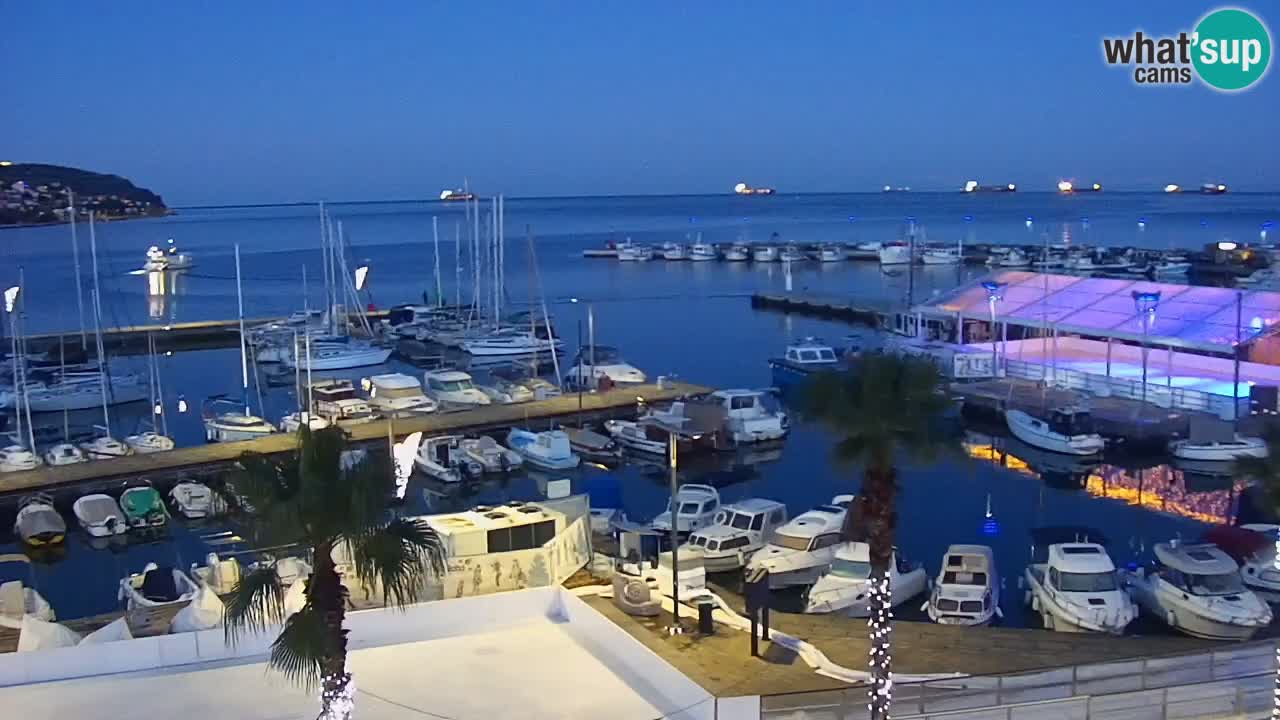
{"x":1186,"y":316}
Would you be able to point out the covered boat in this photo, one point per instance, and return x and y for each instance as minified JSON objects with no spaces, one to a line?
{"x":153,"y":596}
{"x":100,"y":515}
{"x":17,"y":601}
{"x":1197,"y":589}
{"x":549,"y":449}
{"x":193,"y":499}
{"x":142,"y":505}
{"x":593,"y":446}
{"x":38,"y":522}
{"x":491,"y":456}
{"x":443,"y":458}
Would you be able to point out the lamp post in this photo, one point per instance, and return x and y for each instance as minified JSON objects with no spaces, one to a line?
{"x":675,"y":535}
{"x":1145,"y":303}
{"x":995,"y":293}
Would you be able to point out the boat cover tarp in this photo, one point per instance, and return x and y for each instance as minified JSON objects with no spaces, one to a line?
{"x":40,"y":521}
{"x":114,"y":631}
{"x":40,"y":635}
{"x":159,"y":585}
{"x":138,"y":502}
{"x":97,"y":510}
{"x":204,"y":612}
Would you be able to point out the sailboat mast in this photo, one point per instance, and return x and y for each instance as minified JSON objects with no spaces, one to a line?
{"x":244,"y":358}
{"x":164,"y":417}
{"x":102,"y":366}
{"x":435,"y":239}
{"x":457,"y":267}
{"x":75,"y":259}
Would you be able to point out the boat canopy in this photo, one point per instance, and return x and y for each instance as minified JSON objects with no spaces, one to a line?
{"x":1203,"y":559}
{"x":1071,"y":421}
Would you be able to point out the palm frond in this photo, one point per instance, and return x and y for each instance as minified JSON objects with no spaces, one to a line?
{"x":255,"y":603}
{"x":398,"y":557}
{"x":302,"y":648}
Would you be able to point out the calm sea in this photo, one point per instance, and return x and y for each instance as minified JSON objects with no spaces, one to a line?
{"x":687,"y":320}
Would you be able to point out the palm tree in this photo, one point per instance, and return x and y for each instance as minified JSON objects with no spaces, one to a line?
{"x":1266,"y":473}
{"x":324,"y":498}
{"x":882,"y":406}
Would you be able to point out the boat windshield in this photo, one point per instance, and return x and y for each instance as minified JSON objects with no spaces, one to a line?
{"x":791,"y":542}
{"x":1222,"y":584}
{"x":1087,"y":582}
{"x":451,"y":385}
{"x":740,"y":521}
{"x":852,"y":569}
{"x":1067,"y":423}
{"x":690,"y":508}
{"x":400,"y":392}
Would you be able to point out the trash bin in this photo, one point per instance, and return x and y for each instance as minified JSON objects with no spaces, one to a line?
{"x":706,"y":625}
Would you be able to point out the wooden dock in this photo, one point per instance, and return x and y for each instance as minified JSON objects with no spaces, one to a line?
{"x":873,"y":312}
{"x":168,"y":466}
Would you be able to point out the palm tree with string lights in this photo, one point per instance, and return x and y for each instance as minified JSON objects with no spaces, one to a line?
{"x":1265,"y":473}
{"x":882,"y":407}
{"x":325,"y":498}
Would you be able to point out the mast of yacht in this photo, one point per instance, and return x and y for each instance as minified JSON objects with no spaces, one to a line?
{"x":546,"y":317}
{"x":103,"y":372}
{"x":244,"y":358}
{"x":21,"y":396}
{"x":435,"y":240}
{"x":164,"y":417}
{"x":457,"y":268}
{"x":19,"y":384}
{"x":75,"y":259}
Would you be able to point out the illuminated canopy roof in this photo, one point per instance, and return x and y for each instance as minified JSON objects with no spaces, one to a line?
{"x":1186,"y":316}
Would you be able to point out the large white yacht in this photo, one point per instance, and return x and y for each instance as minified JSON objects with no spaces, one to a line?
{"x":1197,"y":589}
{"x":1076,"y":588}
{"x":801,"y":550}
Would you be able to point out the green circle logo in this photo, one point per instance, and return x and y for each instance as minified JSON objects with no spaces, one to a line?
{"x":1232,"y":49}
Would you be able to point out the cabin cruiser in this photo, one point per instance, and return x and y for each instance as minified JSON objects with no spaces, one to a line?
{"x":511,"y":341}
{"x":792,"y":254}
{"x":737,"y":252}
{"x":846,"y":585}
{"x":503,"y":391}
{"x":148,"y":442}
{"x":64,"y":454}
{"x":702,"y":251}
{"x":399,"y":395}
{"x":967,"y":589}
{"x":453,"y":388}
{"x":736,"y":531}
{"x":764,"y":253}
{"x":100,"y":515}
{"x":602,"y":361}
{"x":549,"y":450}
{"x":695,"y":505}
{"x":747,"y":420}
{"x":1076,"y":589}
{"x":1253,"y":547}
{"x":801,"y":550}
{"x":443,"y":458}
{"x":489,"y":455}
{"x":158,"y":260}
{"x":231,"y":424}
{"x":593,"y":446}
{"x":340,"y":356}
{"x":1197,"y":589}
{"x":15,"y":458}
{"x":894,"y":253}
{"x":336,"y":401}
{"x":940,"y":256}
{"x":105,"y":447}
{"x":630,"y":252}
{"x":829,"y":253}
{"x":1069,"y":430}
{"x":38,"y":522}
{"x":801,"y":359}
{"x":673,"y":251}
{"x":642,"y":437}
{"x":1221,"y":451}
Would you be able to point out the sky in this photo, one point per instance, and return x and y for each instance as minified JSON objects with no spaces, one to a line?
{"x":237,"y":101}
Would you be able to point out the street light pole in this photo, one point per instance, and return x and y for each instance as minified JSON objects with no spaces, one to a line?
{"x":994,"y":294}
{"x":675,"y":535}
{"x":1145,"y":302}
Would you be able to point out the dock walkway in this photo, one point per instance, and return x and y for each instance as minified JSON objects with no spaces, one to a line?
{"x":876,"y":312}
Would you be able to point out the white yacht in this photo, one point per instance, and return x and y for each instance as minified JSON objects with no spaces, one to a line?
{"x":511,"y":341}
{"x":64,"y":454}
{"x":336,"y":401}
{"x":193,"y":499}
{"x":674,"y":251}
{"x":747,"y":420}
{"x":791,"y":254}
{"x":737,"y":531}
{"x":940,"y":256}
{"x":967,"y":589}
{"x":829,"y":253}
{"x":549,"y":450}
{"x":801,"y":550}
{"x":105,"y":447}
{"x":399,"y":395}
{"x":100,"y":515}
{"x":489,"y":455}
{"x":341,"y":356}
{"x":148,"y":442}
{"x":602,"y":361}
{"x":737,"y":252}
{"x":695,"y":505}
{"x":1253,"y":546}
{"x":630,"y":252}
{"x":1068,"y":430}
{"x":846,"y":585}
{"x":1076,"y":589}
{"x":765,"y":253}
{"x":1220,"y":451}
{"x":1197,"y":589}
{"x":639,"y":436}
{"x":15,"y":458}
{"x":443,"y":458}
{"x":702,"y":251}
{"x":231,"y":425}
{"x":453,"y":388}
{"x":895,"y":253}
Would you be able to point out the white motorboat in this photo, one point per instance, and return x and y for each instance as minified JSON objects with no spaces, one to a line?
{"x":630,"y":252}
{"x":800,"y":360}
{"x":443,"y":458}
{"x":235,"y":426}
{"x":1069,"y":430}
{"x":802,"y":549}
{"x":18,"y":601}
{"x":549,"y":450}
{"x":673,"y":251}
{"x":940,"y":256}
{"x":64,"y":454}
{"x":737,"y":252}
{"x":100,"y":515}
{"x":602,"y":361}
{"x":1171,"y":266}
{"x":38,"y":522}
{"x":148,"y":442}
{"x":695,"y":506}
{"x":169,"y":259}
{"x":702,"y":251}
{"x":791,"y":254}
{"x":105,"y":447}
{"x":336,"y":401}
{"x":747,"y":419}
{"x":489,"y":455}
{"x":829,"y":253}
{"x":594,"y":447}
{"x":193,"y":499}
{"x":895,"y":253}
{"x":82,"y":391}
{"x":506,"y":392}
{"x":294,"y":421}
{"x":737,"y":531}
{"x":846,"y":585}
{"x":639,"y":436}
{"x":511,"y":341}
{"x":15,"y":458}
{"x":967,"y":589}
{"x":399,"y":395}
{"x":765,"y":253}
{"x":153,"y":596}
{"x":1220,"y":451}
{"x":1197,"y":589}
{"x":1014,"y":258}
{"x":1076,"y":588}
{"x":341,"y":356}
{"x":453,"y":388}
{"x":1253,"y":547}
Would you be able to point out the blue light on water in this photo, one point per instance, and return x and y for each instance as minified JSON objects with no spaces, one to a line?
{"x":990,"y":527}
{"x":853,"y":218}
{"x":968,"y":218}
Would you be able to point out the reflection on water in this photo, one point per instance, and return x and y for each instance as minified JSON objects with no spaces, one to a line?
{"x":1205,"y":493}
{"x":163,"y":289}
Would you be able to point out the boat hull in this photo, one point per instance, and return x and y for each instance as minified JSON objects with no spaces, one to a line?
{"x":354,"y":359}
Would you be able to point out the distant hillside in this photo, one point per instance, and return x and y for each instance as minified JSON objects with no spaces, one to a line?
{"x":32,"y":194}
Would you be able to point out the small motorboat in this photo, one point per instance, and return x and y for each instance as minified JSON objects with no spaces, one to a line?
{"x":105,"y":447}
{"x":443,"y":458}
{"x":15,"y":458}
{"x":1076,"y":588}
{"x":673,"y":251}
{"x":737,"y":531}
{"x":895,"y":253}
{"x":801,"y":550}
{"x":549,"y":450}
{"x":806,"y":357}
{"x":490,"y":455}
{"x":18,"y":601}
{"x":1253,"y":547}
{"x":100,"y":515}
{"x":695,"y":507}
{"x":846,"y":585}
{"x":502,"y":391}
{"x":594,"y":363}
{"x":399,"y":395}
{"x":746,"y":417}
{"x":152,"y":597}
{"x":593,"y":446}
{"x":64,"y":454}
{"x":631,"y":252}
{"x":940,"y":256}
{"x":1197,"y":589}
{"x":639,"y":436}
{"x":232,"y":424}
{"x":193,"y":499}
{"x":967,"y":590}
{"x":142,"y":505}
{"x":764,"y":254}
{"x":1068,"y":430}
{"x":737,"y":252}
{"x":169,"y":259}
{"x":336,"y":401}
{"x":792,"y":254}
{"x":38,"y":522}
{"x":702,"y":251}
{"x":1219,"y":450}
{"x":829,"y":254}
{"x":148,"y":442}
{"x":294,"y":421}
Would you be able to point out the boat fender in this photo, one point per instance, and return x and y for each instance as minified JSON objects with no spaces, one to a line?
{"x":924,"y":606}
{"x":999,"y":612}
{"x":742,"y":560}
{"x":1171,"y":618}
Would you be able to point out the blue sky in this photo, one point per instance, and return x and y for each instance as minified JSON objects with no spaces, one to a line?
{"x":262,"y":102}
